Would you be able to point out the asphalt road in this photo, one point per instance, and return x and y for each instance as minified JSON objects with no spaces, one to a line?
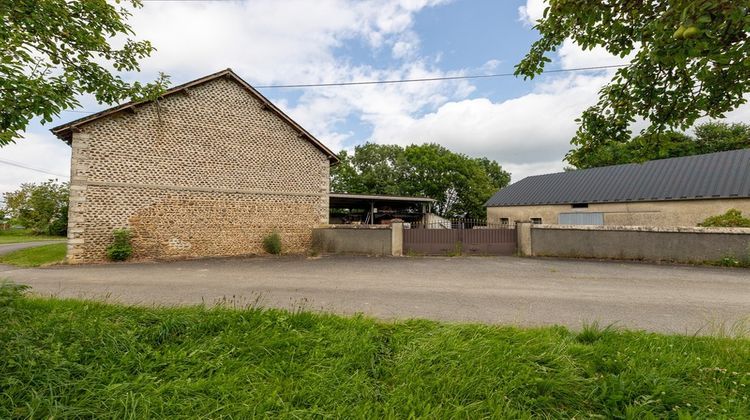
{"x":7,"y":248}
{"x":498,"y":290}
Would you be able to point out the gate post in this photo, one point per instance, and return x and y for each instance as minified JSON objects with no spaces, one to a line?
{"x":397,"y":239}
{"x":523,"y":239}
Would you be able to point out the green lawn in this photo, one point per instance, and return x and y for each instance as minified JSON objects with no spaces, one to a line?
{"x":12,"y":236}
{"x":36,"y":256}
{"x":71,"y":358}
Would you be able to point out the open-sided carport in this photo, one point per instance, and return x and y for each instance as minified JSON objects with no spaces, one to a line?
{"x":375,"y":209}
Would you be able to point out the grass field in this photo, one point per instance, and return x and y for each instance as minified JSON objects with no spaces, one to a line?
{"x":35,"y":256}
{"x":70,"y":358}
{"x":13,"y":236}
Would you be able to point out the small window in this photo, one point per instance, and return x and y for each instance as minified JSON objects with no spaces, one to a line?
{"x":536,"y":220}
{"x":580,"y":205}
{"x":504,"y":221}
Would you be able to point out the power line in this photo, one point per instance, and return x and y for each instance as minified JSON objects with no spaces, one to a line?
{"x":432,"y":79}
{"x":395,"y":81}
{"x":21,"y":165}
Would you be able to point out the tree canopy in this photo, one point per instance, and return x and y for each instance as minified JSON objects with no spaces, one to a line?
{"x":692,"y":59}
{"x":708,"y":138}
{"x":460,"y":184}
{"x":54,"y":50}
{"x":42,"y":208}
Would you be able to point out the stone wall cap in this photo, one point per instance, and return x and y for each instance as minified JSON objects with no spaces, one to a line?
{"x":354,"y":227}
{"x":666,"y":229}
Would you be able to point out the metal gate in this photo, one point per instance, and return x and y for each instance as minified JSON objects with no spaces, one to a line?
{"x":481,"y":241}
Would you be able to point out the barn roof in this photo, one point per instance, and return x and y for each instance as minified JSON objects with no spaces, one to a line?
{"x":714,"y":175}
{"x":65,"y":132}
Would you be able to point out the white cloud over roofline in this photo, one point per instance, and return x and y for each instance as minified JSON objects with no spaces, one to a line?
{"x":272,"y":42}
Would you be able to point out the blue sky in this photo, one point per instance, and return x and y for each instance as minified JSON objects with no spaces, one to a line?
{"x":524,"y":125}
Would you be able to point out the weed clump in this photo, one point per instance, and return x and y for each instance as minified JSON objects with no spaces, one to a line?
{"x":121,"y":248}
{"x":9,"y":293}
{"x":272,"y":243}
{"x":732,"y":218}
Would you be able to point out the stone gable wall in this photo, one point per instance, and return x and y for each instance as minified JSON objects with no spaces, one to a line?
{"x":208,"y":172}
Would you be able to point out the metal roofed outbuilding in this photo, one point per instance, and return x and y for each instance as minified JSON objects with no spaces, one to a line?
{"x":714,"y":175}
{"x":680,"y":191}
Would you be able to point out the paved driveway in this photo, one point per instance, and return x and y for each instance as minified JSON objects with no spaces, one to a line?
{"x":503,"y":290}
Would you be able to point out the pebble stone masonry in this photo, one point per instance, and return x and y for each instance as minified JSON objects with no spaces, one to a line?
{"x":208,"y":171}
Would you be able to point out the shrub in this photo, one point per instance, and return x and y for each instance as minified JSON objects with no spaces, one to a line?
{"x":272,"y":243}
{"x":121,"y":248}
{"x":59,"y":225}
{"x":732,"y":218}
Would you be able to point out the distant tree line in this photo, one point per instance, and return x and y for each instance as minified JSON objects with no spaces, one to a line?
{"x":460,"y":184}
{"x":707,"y":138}
{"x":43,"y":207}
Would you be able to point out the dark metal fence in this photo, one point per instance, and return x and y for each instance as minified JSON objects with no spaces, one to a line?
{"x":460,"y":236}
{"x":459,"y":224}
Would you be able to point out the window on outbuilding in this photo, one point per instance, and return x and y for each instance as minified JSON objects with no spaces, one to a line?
{"x":581,"y":218}
{"x":504,"y":221}
{"x":580,"y":205}
{"x":536,"y":220}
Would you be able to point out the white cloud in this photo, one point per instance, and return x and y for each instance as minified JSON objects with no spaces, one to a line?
{"x":527,"y":134}
{"x":406,"y":46}
{"x":573,"y":56}
{"x":741,"y":114}
{"x":269,"y":41}
{"x":266,"y":41}
{"x":373,"y":105}
{"x":532,"y":11}
{"x":490,"y":66}
{"x":298,"y":41}
{"x":35,"y":151}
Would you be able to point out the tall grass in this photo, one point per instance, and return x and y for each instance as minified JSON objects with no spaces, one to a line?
{"x":71,"y":358}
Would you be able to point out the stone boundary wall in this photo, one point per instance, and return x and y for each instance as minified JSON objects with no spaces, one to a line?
{"x":377,"y":240}
{"x":678,"y":244}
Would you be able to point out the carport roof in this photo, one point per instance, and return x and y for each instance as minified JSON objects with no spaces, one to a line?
{"x":714,"y":175}
{"x":344,"y":199}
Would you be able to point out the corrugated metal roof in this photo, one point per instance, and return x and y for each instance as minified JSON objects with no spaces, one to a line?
{"x":715,"y":175}
{"x":381,"y":197}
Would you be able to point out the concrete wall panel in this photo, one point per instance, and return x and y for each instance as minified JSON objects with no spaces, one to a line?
{"x":654,"y":213}
{"x":355,"y":241}
{"x":651,"y":244}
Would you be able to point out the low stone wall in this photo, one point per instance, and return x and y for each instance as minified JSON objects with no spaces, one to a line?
{"x":378,"y":240}
{"x":640,"y":243}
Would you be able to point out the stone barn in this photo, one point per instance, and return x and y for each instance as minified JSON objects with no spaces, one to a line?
{"x":207,"y":170}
